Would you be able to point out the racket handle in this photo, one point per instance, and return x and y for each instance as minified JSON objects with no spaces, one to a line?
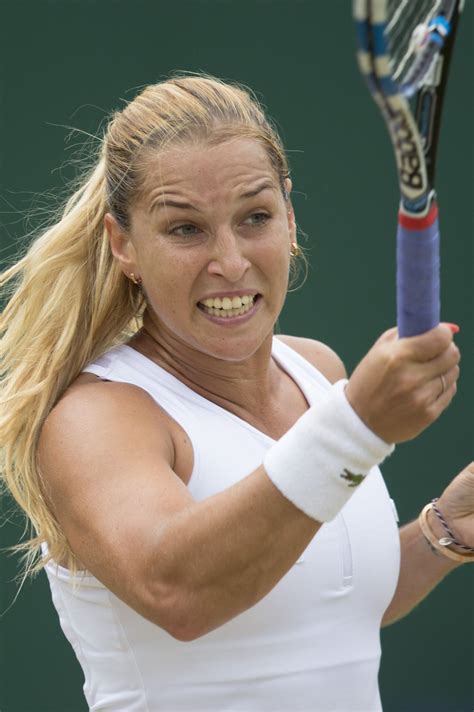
{"x":418,"y":300}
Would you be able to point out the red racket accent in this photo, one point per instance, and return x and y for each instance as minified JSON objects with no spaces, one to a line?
{"x":411,"y":223}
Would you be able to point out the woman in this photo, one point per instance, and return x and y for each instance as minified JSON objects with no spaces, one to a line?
{"x":206,"y":496}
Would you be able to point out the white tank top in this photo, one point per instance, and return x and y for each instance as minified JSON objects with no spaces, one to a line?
{"x":312,"y":644}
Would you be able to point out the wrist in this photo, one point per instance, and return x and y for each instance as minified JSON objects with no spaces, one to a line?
{"x":449,"y":556}
{"x":325,"y":456}
{"x":439,"y":532}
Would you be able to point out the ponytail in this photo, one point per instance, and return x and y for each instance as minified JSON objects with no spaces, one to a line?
{"x":70,"y":303}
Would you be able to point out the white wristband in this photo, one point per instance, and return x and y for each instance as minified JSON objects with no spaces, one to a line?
{"x":319,"y":463}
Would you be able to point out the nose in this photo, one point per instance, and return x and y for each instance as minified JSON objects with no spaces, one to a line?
{"x":227,"y":257}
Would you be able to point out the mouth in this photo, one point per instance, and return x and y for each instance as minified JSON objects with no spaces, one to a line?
{"x":228,"y":307}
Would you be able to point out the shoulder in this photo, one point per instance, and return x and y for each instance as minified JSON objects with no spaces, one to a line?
{"x":318,"y":355}
{"x":92,"y":397}
{"x":100,"y":415}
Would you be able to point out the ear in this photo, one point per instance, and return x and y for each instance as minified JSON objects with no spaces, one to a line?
{"x":290,"y":212}
{"x":121,"y":246}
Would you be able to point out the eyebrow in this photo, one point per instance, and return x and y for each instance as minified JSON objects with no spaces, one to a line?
{"x":162,"y":202}
{"x":252,"y":193}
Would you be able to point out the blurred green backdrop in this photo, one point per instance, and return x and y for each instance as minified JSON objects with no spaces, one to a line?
{"x":69,"y":63}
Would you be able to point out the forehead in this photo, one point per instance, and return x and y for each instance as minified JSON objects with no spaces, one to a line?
{"x":206,"y":171}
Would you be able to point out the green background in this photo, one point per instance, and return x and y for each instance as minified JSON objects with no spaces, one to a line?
{"x":70,"y":63}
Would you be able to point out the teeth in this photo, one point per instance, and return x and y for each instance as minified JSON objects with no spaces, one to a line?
{"x":228,"y":304}
{"x":228,"y":308}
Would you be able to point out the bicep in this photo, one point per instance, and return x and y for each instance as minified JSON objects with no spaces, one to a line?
{"x":106,"y":457}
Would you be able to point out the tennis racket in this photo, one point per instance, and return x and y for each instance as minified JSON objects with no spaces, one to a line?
{"x":404,"y":50}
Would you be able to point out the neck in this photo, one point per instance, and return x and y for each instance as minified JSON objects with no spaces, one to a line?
{"x":242,"y":387}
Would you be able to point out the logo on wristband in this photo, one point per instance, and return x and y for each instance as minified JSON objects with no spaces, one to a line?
{"x":354,"y":480}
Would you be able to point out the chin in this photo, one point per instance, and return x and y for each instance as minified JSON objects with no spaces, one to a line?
{"x":235,"y":350}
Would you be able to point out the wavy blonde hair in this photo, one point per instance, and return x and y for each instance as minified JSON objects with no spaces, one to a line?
{"x":69,"y":301}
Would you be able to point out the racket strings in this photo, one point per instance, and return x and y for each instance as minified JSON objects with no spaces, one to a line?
{"x":406,"y":31}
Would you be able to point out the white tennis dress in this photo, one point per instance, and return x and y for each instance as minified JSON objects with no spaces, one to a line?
{"x":312,"y":644}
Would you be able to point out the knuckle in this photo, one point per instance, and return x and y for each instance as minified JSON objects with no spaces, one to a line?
{"x":388,"y":335}
{"x":442,"y":338}
{"x":456,"y":354}
{"x":420,"y":402}
{"x":423,"y":404}
{"x":394,"y":360}
{"x":450,"y":394}
{"x":452,"y":375}
{"x":406,"y":385}
{"x":444,"y":333}
{"x":433,"y":411}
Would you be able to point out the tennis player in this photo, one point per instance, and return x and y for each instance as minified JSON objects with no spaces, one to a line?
{"x":206,"y":496}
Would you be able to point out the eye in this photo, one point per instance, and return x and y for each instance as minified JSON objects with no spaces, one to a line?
{"x":186,"y":230}
{"x":258,"y":219}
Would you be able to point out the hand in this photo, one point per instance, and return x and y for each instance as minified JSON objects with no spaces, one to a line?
{"x":396,"y":389}
{"x":456,"y":504}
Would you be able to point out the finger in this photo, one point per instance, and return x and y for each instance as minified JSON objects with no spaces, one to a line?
{"x":429,"y":345}
{"x":441,"y":364}
{"x":442,"y":398}
{"x":452,"y":376}
{"x":443,"y":382}
{"x":389,"y":335}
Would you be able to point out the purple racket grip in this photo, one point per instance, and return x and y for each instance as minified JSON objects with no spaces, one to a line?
{"x":418,"y":300}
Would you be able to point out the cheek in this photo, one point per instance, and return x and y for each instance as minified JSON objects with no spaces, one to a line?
{"x":169,"y":306}
{"x":159,"y":263}
{"x":168,"y":279}
{"x":274,"y":255}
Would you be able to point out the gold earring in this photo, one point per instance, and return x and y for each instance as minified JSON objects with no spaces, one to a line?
{"x":295,"y":250}
{"x":135,"y":280}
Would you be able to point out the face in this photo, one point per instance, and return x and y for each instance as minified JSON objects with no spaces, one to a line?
{"x":211,"y":238}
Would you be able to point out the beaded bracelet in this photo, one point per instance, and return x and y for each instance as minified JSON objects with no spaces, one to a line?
{"x":443,"y":543}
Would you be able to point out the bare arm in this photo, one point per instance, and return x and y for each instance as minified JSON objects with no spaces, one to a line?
{"x":421,"y":569}
{"x":186,"y":566}
{"x":107,"y":454}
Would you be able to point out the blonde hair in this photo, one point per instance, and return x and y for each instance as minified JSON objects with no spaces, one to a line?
{"x":69,"y":301}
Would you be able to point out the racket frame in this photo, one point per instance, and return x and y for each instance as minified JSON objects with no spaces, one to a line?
{"x":414,"y":134}
{"x":414,"y":137}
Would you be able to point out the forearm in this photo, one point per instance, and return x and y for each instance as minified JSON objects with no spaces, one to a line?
{"x":228,"y":552}
{"x":421,"y":569}
{"x":237,"y":545}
